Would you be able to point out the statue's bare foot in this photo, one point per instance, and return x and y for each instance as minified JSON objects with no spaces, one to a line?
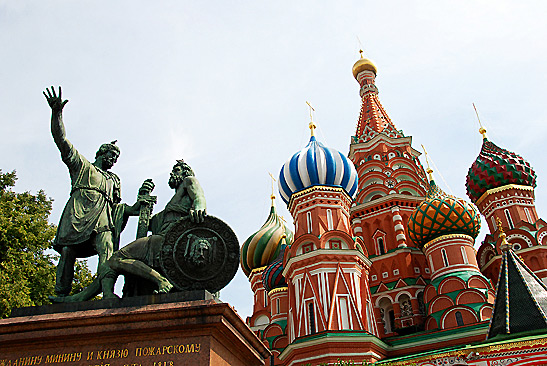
{"x":164,"y":286}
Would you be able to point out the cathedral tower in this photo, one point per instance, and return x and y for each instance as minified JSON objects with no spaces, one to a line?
{"x":445,"y":228}
{"x":501,"y":184}
{"x":325,"y":268}
{"x":392,"y":183}
{"x":257,"y":252}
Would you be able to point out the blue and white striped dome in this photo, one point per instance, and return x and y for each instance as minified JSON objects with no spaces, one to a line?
{"x":317,"y":165}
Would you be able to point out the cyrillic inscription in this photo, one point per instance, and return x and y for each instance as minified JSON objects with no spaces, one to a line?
{"x":106,"y":355}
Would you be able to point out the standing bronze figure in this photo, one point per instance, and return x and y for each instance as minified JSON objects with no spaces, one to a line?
{"x":93,"y":216}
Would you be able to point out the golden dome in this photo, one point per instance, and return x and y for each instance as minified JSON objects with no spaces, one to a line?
{"x":363,"y":64}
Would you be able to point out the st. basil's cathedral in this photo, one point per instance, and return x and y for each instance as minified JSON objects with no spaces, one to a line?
{"x":382,"y":266}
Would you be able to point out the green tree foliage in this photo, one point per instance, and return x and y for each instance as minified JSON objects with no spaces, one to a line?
{"x":27,"y":272}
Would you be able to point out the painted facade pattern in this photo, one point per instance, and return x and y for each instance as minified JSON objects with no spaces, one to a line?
{"x":386,"y":272}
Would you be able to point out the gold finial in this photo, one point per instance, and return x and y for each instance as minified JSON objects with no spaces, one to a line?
{"x":505,"y":245}
{"x":482,"y":130}
{"x":360,"y":46}
{"x":313,"y":126}
{"x":273,"y":195}
{"x":429,"y":170}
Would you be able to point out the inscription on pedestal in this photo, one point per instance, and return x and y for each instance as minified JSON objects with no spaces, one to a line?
{"x":139,"y":355}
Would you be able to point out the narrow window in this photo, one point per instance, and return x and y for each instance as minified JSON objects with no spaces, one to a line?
{"x":445,"y":258}
{"x":344,"y":313}
{"x":277,"y":306}
{"x":329,"y":219}
{"x":527,"y":212}
{"x":308,"y":215}
{"x":459,"y":318}
{"x":381,"y":248}
{"x":265,"y":298}
{"x":464,"y":256}
{"x":431,"y":264}
{"x":311,"y":314}
{"x":494,"y":222}
{"x":509,"y":220}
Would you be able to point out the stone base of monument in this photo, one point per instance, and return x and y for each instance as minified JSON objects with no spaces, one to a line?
{"x":199,"y":332}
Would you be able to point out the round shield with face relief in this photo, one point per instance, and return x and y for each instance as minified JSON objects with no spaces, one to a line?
{"x":200,"y":256}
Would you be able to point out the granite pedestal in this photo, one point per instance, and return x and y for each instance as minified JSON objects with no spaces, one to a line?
{"x":99,"y":333}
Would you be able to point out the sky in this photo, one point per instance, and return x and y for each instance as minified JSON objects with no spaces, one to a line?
{"x":224,"y":85}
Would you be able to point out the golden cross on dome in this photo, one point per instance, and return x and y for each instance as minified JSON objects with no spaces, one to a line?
{"x":313,"y":126}
{"x":482,"y":130}
{"x":273,"y":180}
{"x":429,"y":170}
{"x":360,"y":46}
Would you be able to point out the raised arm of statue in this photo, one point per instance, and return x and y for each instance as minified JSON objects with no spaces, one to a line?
{"x":198,"y":210}
{"x":57,"y":127}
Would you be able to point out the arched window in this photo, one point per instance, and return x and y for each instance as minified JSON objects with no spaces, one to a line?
{"x":509,"y":220}
{"x":344,"y":318}
{"x":464,"y":256}
{"x":459,"y":318}
{"x":381,"y":247}
{"x":329,"y":219}
{"x":277,"y":306}
{"x":308,"y":216}
{"x":445,"y":258}
{"x":311,"y":317}
{"x":405,"y":305}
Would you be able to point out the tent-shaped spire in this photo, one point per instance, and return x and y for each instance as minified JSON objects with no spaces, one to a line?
{"x":521,"y":298}
{"x":373,"y":118}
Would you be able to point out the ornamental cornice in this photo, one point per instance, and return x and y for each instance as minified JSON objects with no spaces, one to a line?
{"x":329,"y":255}
{"x":381,"y":137}
{"x":303,"y":192}
{"x":276,"y":290}
{"x":484,"y":352}
{"x":257,"y":270}
{"x":501,"y":189}
{"x":447,"y":237}
{"x":386,"y":199}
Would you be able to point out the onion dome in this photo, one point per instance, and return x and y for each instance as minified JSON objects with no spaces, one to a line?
{"x":496,"y":167}
{"x":261,"y":248}
{"x":317,"y":165}
{"x":441,"y":214}
{"x":272,"y":277}
{"x":363,"y":64}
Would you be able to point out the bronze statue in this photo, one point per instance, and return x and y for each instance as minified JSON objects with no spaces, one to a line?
{"x":93,"y":217}
{"x":141,"y":257}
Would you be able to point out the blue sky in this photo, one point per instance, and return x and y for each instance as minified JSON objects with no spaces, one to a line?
{"x":224,"y":85}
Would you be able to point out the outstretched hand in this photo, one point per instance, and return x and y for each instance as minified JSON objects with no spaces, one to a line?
{"x":55,"y":102}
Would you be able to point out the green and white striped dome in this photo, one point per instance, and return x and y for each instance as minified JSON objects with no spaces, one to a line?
{"x":262,"y":248}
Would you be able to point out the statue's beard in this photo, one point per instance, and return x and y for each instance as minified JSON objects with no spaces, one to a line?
{"x":175,"y":181}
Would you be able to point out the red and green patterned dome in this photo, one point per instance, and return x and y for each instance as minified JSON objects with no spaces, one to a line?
{"x":441,"y":214}
{"x":496,"y":167}
{"x":272,"y":277}
{"x":263,"y":247}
